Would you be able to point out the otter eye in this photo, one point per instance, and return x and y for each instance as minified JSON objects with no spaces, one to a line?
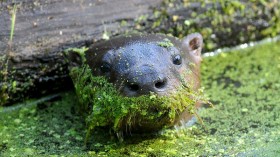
{"x":177,"y":60}
{"x":105,"y":67}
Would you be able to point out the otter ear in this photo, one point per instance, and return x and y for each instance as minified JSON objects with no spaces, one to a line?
{"x":192,"y":44}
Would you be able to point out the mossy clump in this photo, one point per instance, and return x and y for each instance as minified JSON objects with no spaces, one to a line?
{"x":105,"y":106}
{"x":165,"y":43}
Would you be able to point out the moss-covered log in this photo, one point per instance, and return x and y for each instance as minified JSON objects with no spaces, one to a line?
{"x":43,"y":29}
{"x":222,"y":23}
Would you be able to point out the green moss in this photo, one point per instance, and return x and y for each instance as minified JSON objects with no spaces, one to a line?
{"x":165,"y":43}
{"x":80,"y":51}
{"x":109,"y":108}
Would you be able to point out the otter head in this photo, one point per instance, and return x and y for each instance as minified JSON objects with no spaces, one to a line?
{"x":141,"y":64}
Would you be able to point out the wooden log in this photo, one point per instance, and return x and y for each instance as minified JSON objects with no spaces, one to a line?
{"x":43,"y":29}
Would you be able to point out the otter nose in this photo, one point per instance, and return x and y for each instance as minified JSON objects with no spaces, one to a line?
{"x":145,"y":85}
{"x":156,"y":86}
{"x":160,"y":84}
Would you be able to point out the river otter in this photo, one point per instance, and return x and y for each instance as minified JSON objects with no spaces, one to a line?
{"x":139,"y":64}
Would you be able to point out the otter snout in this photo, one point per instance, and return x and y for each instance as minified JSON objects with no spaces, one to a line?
{"x":144,"y":80}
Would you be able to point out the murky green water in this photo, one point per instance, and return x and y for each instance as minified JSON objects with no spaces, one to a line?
{"x":243,"y":85}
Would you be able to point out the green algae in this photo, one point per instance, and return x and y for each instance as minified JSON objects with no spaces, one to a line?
{"x":107,"y":107}
{"x":248,"y":107}
{"x":244,"y":85}
{"x":47,"y":128}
